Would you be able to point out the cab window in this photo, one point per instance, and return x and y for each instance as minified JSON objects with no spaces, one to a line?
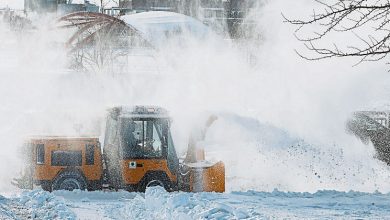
{"x":40,"y":151}
{"x":142,"y":138}
{"x":66,"y":158}
{"x":89,"y":154}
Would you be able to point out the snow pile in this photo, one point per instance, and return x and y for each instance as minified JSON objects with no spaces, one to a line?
{"x":86,"y":196}
{"x":159,"y":204}
{"x":156,"y":203}
{"x":44,"y":205}
{"x":36,"y":204}
{"x":5,"y":212}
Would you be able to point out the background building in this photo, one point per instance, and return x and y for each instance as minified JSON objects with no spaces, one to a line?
{"x":58,"y":6}
{"x":224,"y":16}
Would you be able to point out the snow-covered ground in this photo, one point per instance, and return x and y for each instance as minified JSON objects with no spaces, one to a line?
{"x":156,"y":203}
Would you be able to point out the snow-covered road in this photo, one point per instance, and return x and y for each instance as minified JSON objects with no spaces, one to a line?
{"x":158,"y":204}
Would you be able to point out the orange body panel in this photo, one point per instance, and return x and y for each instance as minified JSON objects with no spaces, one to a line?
{"x":48,"y":172}
{"x":214,"y":178}
{"x":208,"y":179}
{"x":133,"y":175}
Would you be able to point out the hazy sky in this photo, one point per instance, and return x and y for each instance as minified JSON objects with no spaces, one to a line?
{"x":18,"y":4}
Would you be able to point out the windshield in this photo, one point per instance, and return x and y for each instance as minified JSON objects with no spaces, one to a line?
{"x":144,"y":138}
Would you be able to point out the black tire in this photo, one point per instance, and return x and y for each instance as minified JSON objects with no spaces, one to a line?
{"x":95,"y":185}
{"x":155,"y":179}
{"x":46,"y":186}
{"x":69,"y":180}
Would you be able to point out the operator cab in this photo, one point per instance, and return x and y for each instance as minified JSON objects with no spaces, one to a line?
{"x":138,"y":139}
{"x":144,"y":133}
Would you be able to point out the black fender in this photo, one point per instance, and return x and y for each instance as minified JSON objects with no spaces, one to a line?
{"x":159,"y":176}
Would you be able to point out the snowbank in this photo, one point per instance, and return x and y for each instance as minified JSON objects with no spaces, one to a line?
{"x":156,"y":203}
{"x":36,"y":204}
{"x":44,"y":205}
{"x":159,"y":204}
{"x":5,"y":212}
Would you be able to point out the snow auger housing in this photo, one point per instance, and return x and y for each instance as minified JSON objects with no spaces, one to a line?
{"x":138,"y":152}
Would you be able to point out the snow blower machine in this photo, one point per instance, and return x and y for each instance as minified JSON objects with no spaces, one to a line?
{"x":138,"y":152}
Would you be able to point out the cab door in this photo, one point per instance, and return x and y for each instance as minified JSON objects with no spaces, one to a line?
{"x":144,"y":149}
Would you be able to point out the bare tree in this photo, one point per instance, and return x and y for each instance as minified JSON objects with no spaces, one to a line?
{"x":367,"y":20}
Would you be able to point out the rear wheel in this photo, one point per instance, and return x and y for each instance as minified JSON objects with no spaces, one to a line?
{"x":69,"y":180}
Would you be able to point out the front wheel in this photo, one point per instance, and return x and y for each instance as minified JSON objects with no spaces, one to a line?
{"x":155,"y":183}
{"x":155,"y":180}
{"x":46,"y":187}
